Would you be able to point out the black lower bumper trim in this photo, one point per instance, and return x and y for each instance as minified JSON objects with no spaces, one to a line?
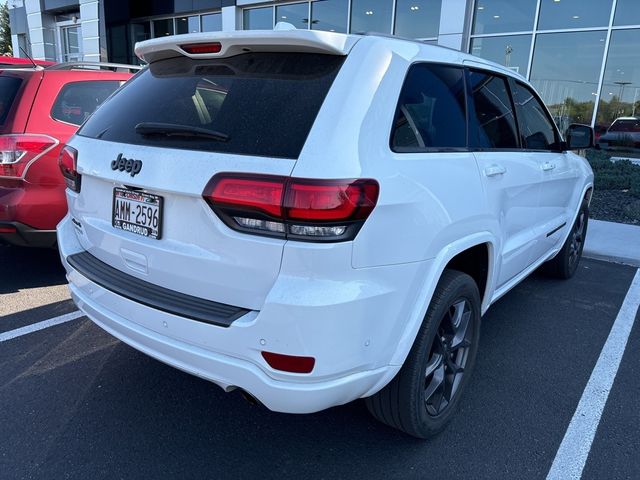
{"x":21,"y":235}
{"x":152,"y":295}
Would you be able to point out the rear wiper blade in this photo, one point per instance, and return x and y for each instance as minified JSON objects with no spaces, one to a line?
{"x":176,"y":130}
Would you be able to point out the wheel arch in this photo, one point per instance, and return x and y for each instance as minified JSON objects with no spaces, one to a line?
{"x":452,"y":254}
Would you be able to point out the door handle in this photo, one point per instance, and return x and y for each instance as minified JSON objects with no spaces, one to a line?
{"x":495,"y":170}
{"x":547,"y":166}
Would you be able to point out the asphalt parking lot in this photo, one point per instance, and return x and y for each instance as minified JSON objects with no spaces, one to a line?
{"x":76,"y":403}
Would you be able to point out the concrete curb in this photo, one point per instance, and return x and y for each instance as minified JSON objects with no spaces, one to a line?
{"x":613,"y":242}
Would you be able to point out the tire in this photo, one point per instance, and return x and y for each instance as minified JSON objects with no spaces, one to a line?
{"x":415,"y":401}
{"x":565,"y":263}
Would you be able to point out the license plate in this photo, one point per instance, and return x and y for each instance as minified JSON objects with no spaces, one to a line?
{"x":137,"y":212}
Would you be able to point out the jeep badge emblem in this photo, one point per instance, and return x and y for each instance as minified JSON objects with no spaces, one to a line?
{"x":126,"y":164}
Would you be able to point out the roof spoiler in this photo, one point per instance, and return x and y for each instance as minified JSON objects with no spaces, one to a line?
{"x":234,"y":43}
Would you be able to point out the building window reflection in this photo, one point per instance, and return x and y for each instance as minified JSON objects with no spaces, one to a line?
{"x":417,"y":18}
{"x":371,"y":16}
{"x":501,"y":16}
{"x":188,"y":24}
{"x":212,"y":22}
{"x":564,"y":14}
{"x":565,"y":71}
{"x":162,"y":28}
{"x":627,"y":12}
{"x":258,"y":18}
{"x":511,"y":51}
{"x":297,"y":14}
{"x":330,"y":15}
{"x":620,"y":97}
{"x":411,"y":18}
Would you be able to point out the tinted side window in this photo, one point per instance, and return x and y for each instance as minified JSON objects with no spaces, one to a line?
{"x":492,"y":123}
{"x":77,"y":100}
{"x":536,"y":130}
{"x":431,"y":110}
{"x":8,"y":89}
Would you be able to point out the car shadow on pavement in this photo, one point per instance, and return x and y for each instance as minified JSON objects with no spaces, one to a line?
{"x":29,"y":268}
{"x":33,"y":315}
{"x":76,"y":403}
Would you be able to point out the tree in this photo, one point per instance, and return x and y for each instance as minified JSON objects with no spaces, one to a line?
{"x":5,"y":31}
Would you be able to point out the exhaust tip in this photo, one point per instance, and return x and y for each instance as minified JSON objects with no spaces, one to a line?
{"x":250,"y":398}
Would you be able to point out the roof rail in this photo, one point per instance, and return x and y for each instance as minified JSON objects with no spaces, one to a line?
{"x":93,"y":65}
{"x":20,"y":66}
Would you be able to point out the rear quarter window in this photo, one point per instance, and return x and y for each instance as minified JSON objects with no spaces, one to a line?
{"x":431,"y":112}
{"x":78,"y":100}
{"x":264,"y":104}
{"x":9,"y":87}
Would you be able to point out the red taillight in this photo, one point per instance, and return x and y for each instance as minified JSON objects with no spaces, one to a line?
{"x":289,"y":363}
{"x":259,"y":194}
{"x":18,"y":152}
{"x":200,"y":48}
{"x":68,"y":163}
{"x":329,"y":200}
{"x":303,"y":209}
{"x":7,"y":229}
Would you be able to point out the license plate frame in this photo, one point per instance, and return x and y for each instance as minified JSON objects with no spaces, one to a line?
{"x":134,"y":198}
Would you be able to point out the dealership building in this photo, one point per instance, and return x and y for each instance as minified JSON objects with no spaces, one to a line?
{"x":583,"y":56}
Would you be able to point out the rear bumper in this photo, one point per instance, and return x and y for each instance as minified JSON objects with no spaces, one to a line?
{"x":21,"y":235}
{"x":30,"y":212}
{"x":352,"y":327}
{"x":226,"y":371}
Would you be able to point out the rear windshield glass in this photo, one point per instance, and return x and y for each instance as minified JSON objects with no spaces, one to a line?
{"x":625,"y":126}
{"x":252,"y":104}
{"x":9,"y":87}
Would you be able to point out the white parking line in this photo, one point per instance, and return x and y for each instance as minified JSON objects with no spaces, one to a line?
{"x":576,"y":444}
{"x":18,"y":332}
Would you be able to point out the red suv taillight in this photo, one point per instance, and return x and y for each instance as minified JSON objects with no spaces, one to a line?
{"x":68,"y":163}
{"x":294,"y":208}
{"x":19,"y":151}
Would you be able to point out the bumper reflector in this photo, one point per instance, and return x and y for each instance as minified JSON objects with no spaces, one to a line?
{"x":289,"y":363}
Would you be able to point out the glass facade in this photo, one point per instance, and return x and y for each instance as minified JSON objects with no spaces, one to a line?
{"x":627,"y":12}
{"x":371,"y":16}
{"x":499,"y":16}
{"x":212,"y":22}
{"x":330,"y":15}
{"x":187,"y":24}
{"x":258,"y":18}
{"x":121,"y":39}
{"x":565,"y":71}
{"x":407,"y":18}
{"x":581,"y":55}
{"x":620,"y":95}
{"x":417,"y":18}
{"x":556,"y":14}
{"x":297,"y":14}
{"x":510,"y":50}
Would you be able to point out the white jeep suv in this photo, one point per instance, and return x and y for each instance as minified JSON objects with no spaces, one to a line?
{"x":314,"y":217}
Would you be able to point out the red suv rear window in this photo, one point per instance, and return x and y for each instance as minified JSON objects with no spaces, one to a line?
{"x":625,"y":126}
{"x":9,"y":87}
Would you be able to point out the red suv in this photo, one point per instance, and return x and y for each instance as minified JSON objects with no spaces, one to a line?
{"x":40,"y":109}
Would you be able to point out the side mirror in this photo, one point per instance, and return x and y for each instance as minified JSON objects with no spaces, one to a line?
{"x":579,"y":137}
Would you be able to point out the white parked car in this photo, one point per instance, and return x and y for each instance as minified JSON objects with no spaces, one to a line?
{"x":315,"y":217}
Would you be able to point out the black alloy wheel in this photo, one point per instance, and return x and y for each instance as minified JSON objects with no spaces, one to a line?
{"x":448,"y":357}
{"x":423,"y":396}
